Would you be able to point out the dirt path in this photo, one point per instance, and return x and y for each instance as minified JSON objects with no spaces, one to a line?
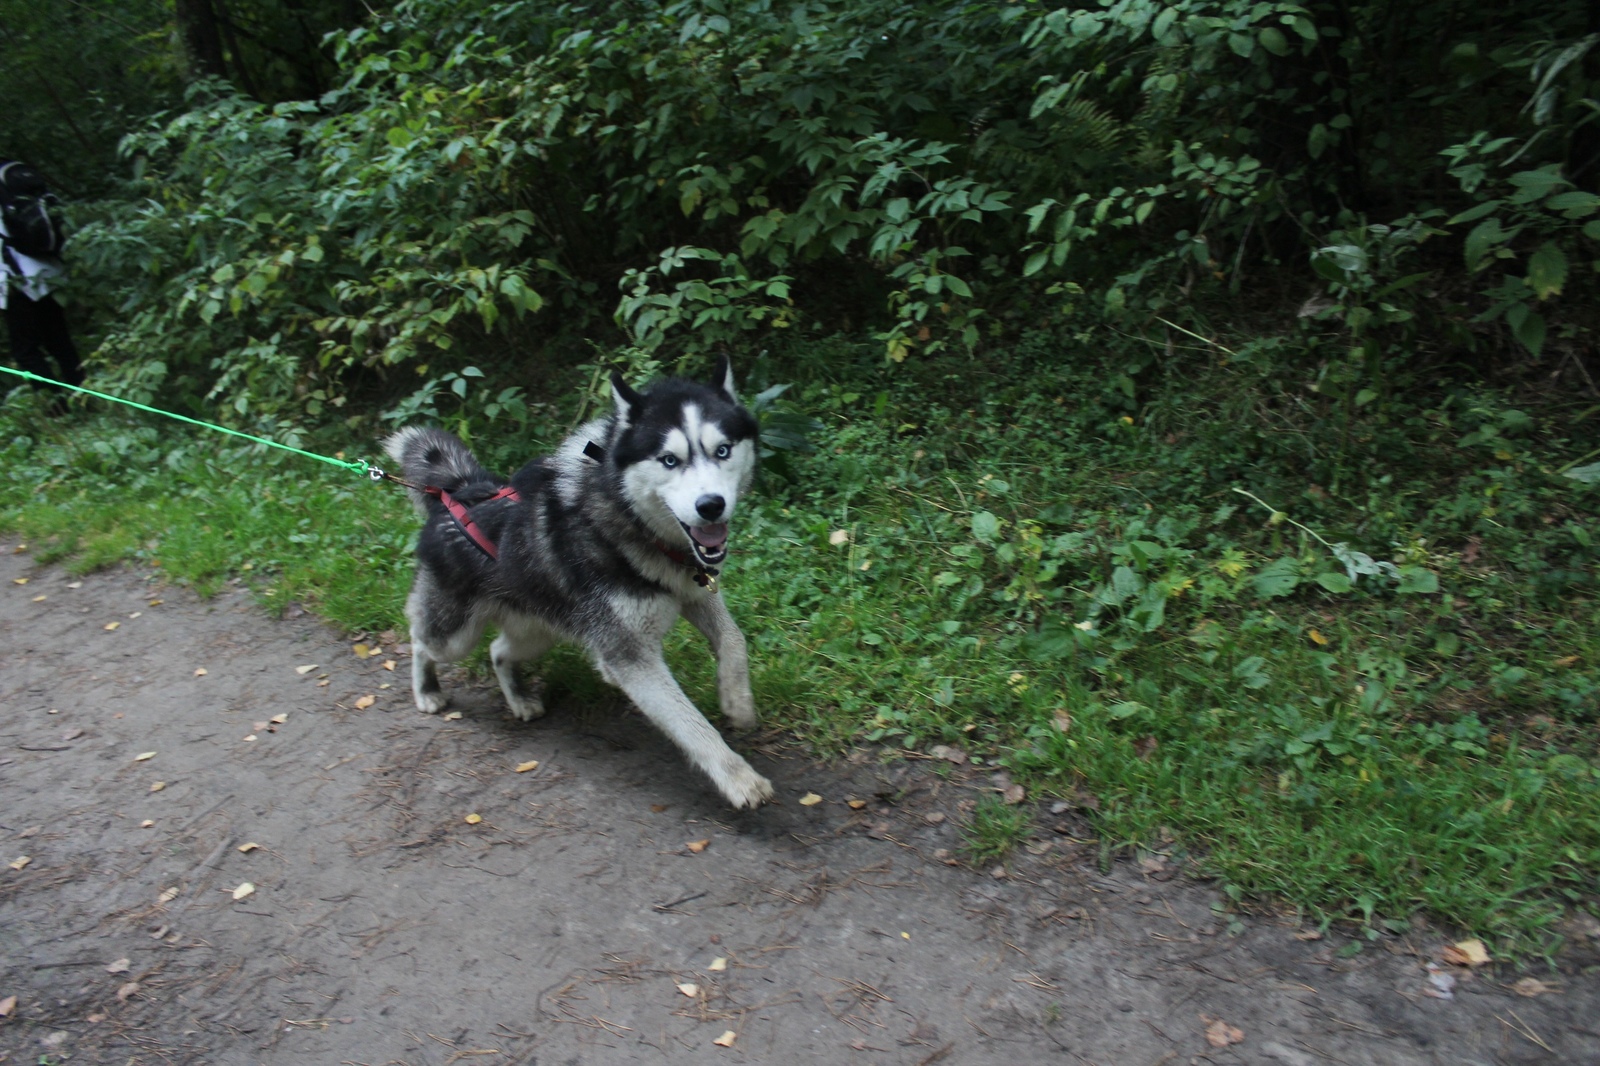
{"x":576,"y":922}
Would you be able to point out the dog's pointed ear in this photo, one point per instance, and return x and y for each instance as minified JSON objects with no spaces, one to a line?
{"x":625,"y":397}
{"x":722,"y":377}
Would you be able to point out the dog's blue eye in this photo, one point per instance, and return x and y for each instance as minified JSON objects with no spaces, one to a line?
{"x":669,"y":460}
{"x":723,"y":451}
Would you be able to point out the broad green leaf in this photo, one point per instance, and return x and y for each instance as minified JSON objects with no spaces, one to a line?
{"x":985,"y":526}
{"x":1273,"y":40}
{"x":1547,"y":270}
{"x":1417,"y":579}
{"x":1335,"y":582}
{"x":1277,"y":578}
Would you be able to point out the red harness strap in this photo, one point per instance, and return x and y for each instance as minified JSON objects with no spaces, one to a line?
{"x":464,"y":519}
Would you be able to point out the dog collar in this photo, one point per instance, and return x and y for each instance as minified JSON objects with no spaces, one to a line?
{"x":704,"y":576}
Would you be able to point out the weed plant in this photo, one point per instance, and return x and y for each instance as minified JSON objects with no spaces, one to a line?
{"x":1369,"y":702}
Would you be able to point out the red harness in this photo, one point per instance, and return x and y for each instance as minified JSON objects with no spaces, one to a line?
{"x":464,"y":519}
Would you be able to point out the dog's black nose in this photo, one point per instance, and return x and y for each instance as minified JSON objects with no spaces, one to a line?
{"x":710,"y":507}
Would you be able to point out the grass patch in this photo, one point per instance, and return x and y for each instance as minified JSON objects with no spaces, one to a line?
{"x":1367,"y":702}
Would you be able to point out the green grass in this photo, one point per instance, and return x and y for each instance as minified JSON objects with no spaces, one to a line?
{"x":1069,"y":587}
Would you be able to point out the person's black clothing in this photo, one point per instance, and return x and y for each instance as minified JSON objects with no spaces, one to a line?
{"x":37,"y":327}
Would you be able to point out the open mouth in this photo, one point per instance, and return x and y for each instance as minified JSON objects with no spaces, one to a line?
{"x":710,"y":542}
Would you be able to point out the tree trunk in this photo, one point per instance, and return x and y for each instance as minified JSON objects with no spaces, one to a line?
{"x":202,"y":42}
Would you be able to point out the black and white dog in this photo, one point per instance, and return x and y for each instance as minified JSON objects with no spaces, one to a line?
{"x":603,"y":544}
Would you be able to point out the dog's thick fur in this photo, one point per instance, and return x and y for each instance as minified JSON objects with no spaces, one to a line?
{"x":599,"y":551}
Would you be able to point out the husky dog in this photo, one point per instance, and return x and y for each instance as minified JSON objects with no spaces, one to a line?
{"x":603,"y":544}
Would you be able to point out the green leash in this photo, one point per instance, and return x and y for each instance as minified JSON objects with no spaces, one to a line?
{"x":360,"y":466}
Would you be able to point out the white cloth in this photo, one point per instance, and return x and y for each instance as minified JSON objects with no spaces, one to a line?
{"x":32,"y":275}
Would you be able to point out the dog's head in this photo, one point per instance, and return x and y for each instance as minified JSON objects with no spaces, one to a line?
{"x":686,"y":451}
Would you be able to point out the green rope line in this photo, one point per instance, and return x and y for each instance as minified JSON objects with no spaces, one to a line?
{"x":360,"y":466}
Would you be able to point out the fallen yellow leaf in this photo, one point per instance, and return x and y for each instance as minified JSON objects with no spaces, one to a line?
{"x":127,"y":990}
{"x":838,"y":537}
{"x":362,"y":651}
{"x":365,"y":701}
{"x":120,"y":966}
{"x":146,"y":824}
{"x":306,"y":669}
{"x":1474,"y":951}
{"x":75,"y":584}
{"x":38,"y":599}
{"x":7,"y":1005}
{"x":388,"y":664}
{"x":905,"y":936}
{"x":1317,"y":637}
{"x":135,"y":614}
{"x":200,"y":671}
{"x":718,"y":964}
{"x":109,"y":626}
{"x":244,"y":890}
{"x":158,"y":786}
{"x":697,"y":846}
{"x":726,"y":1039}
{"x":252,"y":736}
{"x":19,"y":580}
{"x":453,"y":716}
{"x":689,"y":988}
{"x":20,"y":861}
{"x":524,"y":767}
{"x":855,"y":804}
{"x":247,"y":848}
{"x":810,"y":799}
{"x":143,"y":755}
{"x":473,"y":819}
{"x":1532,"y":986}
{"x":155,"y":603}
{"x":168,"y":895}
{"x":278,"y":719}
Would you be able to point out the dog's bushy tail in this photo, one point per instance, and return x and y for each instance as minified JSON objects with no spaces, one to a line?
{"x":433,"y":457}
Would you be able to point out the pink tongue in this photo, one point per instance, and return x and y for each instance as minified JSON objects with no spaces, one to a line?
{"x":710,"y":536}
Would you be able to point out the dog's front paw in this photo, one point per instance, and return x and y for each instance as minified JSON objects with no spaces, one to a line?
{"x":432,"y":702}
{"x":526,"y":707}
{"x":743,"y":787}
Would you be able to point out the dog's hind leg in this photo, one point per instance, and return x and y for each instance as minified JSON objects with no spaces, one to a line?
{"x":520,"y":640}
{"x":651,"y":686}
{"x":710,"y":616}
{"x":441,"y":632}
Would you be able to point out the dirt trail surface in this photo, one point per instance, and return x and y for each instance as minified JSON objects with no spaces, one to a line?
{"x":606,"y":908}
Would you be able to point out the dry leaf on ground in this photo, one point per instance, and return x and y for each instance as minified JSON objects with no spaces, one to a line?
{"x":726,"y":1039}
{"x":453,"y":716}
{"x":718,"y":964}
{"x":306,"y":669}
{"x":168,"y":895}
{"x":855,"y":804}
{"x":20,"y":861}
{"x":1013,"y":795}
{"x":838,"y":537}
{"x":365,"y":701}
{"x":810,"y":799}
{"x":524,"y":767}
{"x":247,"y":848}
{"x":143,"y":755}
{"x":697,"y":846}
{"x":200,"y":671}
{"x":158,"y":786}
{"x":7,"y":1005}
{"x":1220,"y":1034}
{"x":473,"y":819}
{"x":1532,"y":986}
{"x":388,"y":664}
{"x":689,"y":988}
{"x":120,"y":966}
{"x":127,"y":990}
{"x":1476,"y":954}
{"x":111,"y":625}
{"x":278,"y":719}
{"x":244,"y":890}
{"x":362,"y":651}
